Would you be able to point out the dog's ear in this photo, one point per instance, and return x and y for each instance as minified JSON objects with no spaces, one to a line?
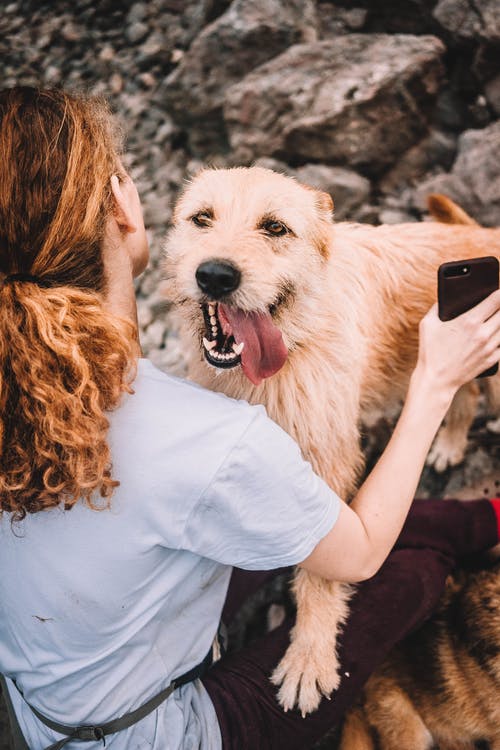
{"x":324,"y":201}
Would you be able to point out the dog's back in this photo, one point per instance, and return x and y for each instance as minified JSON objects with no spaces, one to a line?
{"x":398,"y":267}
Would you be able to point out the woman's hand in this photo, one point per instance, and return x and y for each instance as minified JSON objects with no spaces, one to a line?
{"x":450,"y":354}
{"x":453,"y":352}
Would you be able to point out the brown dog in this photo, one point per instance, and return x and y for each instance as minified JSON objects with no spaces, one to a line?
{"x":318,"y":321}
{"x":442,"y":684}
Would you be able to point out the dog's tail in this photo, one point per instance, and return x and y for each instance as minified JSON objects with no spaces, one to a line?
{"x":443,"y":209}
{"x":356,"y":733}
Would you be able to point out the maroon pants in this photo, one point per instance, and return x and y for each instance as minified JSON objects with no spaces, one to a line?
{"x":397,"y":600}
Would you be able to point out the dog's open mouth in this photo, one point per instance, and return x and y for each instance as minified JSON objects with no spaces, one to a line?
{"x":220,"y":348}
{"x":234,"y":336}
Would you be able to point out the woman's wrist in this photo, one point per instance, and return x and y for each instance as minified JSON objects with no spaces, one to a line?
{"x":425,"y":391}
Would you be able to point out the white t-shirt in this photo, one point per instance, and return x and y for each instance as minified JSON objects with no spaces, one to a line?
{"x":100,"y":610}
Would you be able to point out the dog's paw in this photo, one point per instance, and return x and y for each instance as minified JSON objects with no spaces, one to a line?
{"x":447,"y":450}
{"x":305,"y":676}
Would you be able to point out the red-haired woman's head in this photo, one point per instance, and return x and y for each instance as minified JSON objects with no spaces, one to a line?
{"x":64,"y":358}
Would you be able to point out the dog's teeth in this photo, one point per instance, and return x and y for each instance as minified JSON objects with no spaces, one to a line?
{"x":214,"y":329}
{"x":211,"y":310}
{"x":213,"y":320}
{"x":238,"y":348}
{"x":208,"y":344}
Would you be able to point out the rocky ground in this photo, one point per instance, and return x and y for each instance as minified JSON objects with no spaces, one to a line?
{"x":376,"y":101}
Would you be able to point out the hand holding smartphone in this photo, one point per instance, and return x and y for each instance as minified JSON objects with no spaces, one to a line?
{"x":463,"y":284}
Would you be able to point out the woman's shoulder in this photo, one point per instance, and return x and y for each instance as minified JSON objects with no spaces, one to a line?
{"x":161,"y":388}
{"x":168,"y":409}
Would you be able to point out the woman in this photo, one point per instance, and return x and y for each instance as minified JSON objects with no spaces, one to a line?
{"x":128,"y":495}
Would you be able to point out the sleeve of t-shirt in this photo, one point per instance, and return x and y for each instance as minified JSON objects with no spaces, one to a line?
{"x":265,"y":507}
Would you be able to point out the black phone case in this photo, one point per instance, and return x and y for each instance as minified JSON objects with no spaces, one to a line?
{"x":459,"y":291}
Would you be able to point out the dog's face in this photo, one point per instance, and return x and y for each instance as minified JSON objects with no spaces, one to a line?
{"x":247,"y":245}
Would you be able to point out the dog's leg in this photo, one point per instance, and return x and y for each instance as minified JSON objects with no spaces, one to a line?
{"x":391,"y":713}
{"x":310,"y":667}
{"x":492,"y":386}
{"x":451,"y":441}
{"x":356,"y":732}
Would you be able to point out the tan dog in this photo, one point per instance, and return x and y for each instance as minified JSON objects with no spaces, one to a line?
{"x":319,"y":322}
{"x":442,"y":684}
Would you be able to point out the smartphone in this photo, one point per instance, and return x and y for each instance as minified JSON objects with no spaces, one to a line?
{"x":463,"y":284}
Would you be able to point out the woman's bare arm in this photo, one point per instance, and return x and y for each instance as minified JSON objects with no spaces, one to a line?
{"x":450,"y":354}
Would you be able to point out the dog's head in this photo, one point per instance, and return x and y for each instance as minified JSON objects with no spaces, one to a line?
{"x":247,"y":245}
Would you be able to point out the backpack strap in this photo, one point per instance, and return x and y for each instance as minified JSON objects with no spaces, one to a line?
{"x":93,"y":733}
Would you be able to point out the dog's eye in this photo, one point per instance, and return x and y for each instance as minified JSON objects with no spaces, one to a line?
{"x":202,"y":219}
{"x":276,"y":228}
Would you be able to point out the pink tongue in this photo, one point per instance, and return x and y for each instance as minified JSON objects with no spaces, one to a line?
{"x":264,"y":352}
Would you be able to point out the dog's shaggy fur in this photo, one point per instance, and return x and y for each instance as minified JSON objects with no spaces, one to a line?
{"x":441,"y":685}
{"x":335,"y":309}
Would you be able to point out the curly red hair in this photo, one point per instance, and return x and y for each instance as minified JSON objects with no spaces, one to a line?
{"x":64,"y":359}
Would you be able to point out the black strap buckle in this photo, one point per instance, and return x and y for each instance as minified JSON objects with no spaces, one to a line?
{"x":89,"y":734}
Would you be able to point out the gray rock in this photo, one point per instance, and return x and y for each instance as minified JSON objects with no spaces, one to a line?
{"x":395,"y":216}
{"x":266,"y":162}
{"x":71,"y":33}
{"x":492,"y":94}
{"x":137,"y":12}
{"x":170,"y":358}
{"x":165,"y":131}
{"x":347,"y":188}
{"x":334,"y":20}
{"x":249,"y":33}
{"x":394,"y":16}
{"x":478,"y":113}
{"x":136,"y":32}
{"x":474,"y":181}
{"x":449,"y":112}
{"x":52,"y":75}
{"x":144,"y":314}
{"x":154,"y":335}
{"x":155,"y":44}
{"x":436,"y":151}
{"x":148,"y":283}
{"x":360,"y":100}
{"x":182,"y":20}
{"x":467,"y":20}
{"x":367,"y":214}
{"x":157,"y":212}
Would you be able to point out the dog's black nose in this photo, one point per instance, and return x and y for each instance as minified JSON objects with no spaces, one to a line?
{"x":217,"y":278}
